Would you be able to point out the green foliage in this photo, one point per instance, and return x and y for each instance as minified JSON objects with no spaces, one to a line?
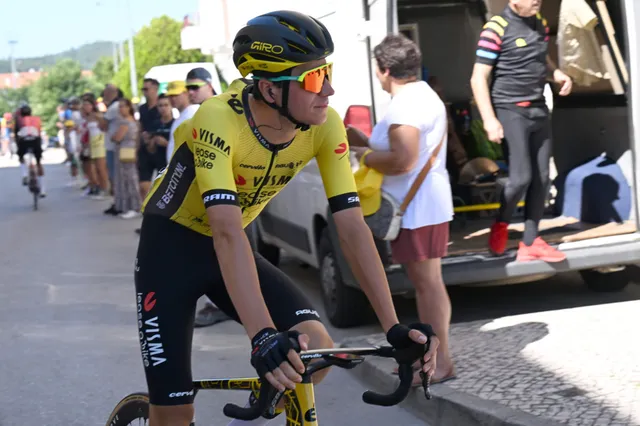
{"x":10,"y":99}
{"x":87,"y":55}
{"x":61,"y":81}
{"x":155,"y":44}
{"x":103,"y":70}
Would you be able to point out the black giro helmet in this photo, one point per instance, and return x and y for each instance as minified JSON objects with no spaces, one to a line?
{"x":280,"y":40}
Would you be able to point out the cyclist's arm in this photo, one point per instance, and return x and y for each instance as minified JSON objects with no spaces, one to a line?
{"x":214,"y":174}
{"x":354,"y":235}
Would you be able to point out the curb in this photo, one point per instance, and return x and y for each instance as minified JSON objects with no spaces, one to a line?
{"x":448,"y":407}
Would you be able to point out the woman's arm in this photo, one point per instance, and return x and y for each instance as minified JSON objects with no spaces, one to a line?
{"x":405,"y":148}
{"x":120,"y":133}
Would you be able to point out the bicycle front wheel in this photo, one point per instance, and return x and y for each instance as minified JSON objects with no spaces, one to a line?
{"x":132,"y":410}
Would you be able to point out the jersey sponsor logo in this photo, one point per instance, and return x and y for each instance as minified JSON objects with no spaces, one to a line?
{"x":342,"y":149}
{"x":174,"y":182}
{"x":241,"y":180}
{"x":236,"y":105}
{"x":149,"y":301}
{"x":254,"y":167}
{"x":272,"y":180}
{"x":219,"y":196}
{"x":267,"y":47}
{"x":215,"y":141}
{"x":353,"y":199}
{"x":289,"y":165}
{"x":204,"y":158}
{"x":344,"y":201}
{"x":247,"y":198}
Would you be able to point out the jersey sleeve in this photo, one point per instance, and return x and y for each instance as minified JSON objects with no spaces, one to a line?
{"x":213,"y":141}
{"x":490,"y":42}
{"x":335,"y":164}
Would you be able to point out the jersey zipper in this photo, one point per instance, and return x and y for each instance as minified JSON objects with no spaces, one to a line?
{"x":265,"y":179}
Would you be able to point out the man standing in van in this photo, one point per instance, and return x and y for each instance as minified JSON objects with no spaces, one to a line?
{"x":513,"y":52}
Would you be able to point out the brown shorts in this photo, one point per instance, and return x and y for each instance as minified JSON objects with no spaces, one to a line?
{"x":415,"y":245}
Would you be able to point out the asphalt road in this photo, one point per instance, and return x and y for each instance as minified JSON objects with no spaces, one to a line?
{"x":69,"y":350}
{"x":69,"y":347}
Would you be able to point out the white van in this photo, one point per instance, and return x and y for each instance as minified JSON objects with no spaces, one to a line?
{"x":591,"y":121}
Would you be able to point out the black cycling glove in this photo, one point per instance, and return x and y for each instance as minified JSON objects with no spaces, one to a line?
{"x":270,"y":349}
{"x":408,"y":351}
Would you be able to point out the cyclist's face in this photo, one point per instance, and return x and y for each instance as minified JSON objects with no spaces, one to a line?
{"x":305,"y":106}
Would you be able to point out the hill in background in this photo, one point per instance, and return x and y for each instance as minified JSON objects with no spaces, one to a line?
{"x":87,"y":55}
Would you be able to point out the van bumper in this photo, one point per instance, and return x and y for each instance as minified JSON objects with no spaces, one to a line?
{"x":482,"y":270}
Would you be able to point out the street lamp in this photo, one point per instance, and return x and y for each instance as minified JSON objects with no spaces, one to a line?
{"x":14,"y":72}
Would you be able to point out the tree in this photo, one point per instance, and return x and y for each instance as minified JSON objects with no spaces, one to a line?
{"x":10,"y":99}
{"x":61,"y":81}
{"x":156,"y":44}
{"x":103,"y":70}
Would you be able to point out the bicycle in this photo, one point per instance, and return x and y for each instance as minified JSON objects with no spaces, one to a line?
{"x":300,"y":408}
{"x":32,"y":180}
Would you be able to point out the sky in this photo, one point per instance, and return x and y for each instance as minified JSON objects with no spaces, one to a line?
{"x":45,"y":27}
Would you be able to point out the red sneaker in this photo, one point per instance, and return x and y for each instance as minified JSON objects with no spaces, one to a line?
{"x":539,"y":250}
{"x":498,"y":238}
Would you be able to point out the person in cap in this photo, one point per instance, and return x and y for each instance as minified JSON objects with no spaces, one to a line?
{"x":177,"y":92}
{"x":199,"y":85}
{"x":230,"y":159}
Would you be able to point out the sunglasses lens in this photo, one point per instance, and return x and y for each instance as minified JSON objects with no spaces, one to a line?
{"x":314,"y":80}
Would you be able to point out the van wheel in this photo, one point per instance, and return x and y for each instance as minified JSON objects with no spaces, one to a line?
{"x":605,"y":282}
{"x":345,"y":306}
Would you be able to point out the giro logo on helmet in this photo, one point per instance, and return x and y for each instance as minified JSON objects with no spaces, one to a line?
{"x":267,"y":47}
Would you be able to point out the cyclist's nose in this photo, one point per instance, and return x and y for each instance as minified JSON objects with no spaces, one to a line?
{"x":327,"y":89}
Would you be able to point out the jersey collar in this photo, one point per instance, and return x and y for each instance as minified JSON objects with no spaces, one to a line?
{"x":256,"y":132}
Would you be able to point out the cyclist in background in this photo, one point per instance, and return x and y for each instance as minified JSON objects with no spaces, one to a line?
{"x":28,"y":128}
{"x":233,"y":156}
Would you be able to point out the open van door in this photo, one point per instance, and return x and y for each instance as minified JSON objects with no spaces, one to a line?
{"x":382,"y":20}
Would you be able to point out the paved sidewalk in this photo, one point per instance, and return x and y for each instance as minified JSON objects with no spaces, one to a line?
{"x":574,"y":367}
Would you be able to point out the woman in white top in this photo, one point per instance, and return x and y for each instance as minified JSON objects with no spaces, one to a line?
{"x":399,"y":147}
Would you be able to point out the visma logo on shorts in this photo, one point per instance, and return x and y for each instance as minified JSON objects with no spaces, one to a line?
{"x":307,"y":312}
{"x":179,"y":394}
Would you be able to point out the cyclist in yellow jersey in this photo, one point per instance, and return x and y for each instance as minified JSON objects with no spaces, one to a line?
{"x":234,"y":155}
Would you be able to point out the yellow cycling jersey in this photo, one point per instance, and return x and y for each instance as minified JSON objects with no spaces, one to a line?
{"x":220,"y":157}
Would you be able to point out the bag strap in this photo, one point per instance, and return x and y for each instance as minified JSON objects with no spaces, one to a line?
{"x":421,"y":176}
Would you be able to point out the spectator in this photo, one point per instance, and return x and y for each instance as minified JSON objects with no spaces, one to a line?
{"x":177,"y":92}
{"x":96,"y":144}
{"x":399,"y":147}
{"x":149,"y":115}
{"x":127,"y":192}
{"x":199,"y":85}
{"x":109,"y":123}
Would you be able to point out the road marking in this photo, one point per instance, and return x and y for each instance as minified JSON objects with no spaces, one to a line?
{"x":93,"y":275}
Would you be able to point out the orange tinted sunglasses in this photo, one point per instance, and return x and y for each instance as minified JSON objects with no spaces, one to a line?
{"x":311,"y":80}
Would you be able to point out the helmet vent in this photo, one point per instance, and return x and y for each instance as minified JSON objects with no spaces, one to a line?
{"x":313,"y":41}
{"x":296,"y":47}
{"x":266,"y":58}
{"x":288,"y":25}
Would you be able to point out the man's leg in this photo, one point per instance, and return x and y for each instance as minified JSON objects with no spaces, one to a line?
{"x":516,"y":135}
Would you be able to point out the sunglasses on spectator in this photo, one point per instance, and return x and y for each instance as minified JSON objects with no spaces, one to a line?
{"x":195,"y":86}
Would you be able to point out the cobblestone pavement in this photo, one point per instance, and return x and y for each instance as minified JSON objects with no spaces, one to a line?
{"x":577,"y":366}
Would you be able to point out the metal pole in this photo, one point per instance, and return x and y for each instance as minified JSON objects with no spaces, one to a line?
{"x":14,"y":73}
{"x":132,"y":59}
{"x":115,"y":56}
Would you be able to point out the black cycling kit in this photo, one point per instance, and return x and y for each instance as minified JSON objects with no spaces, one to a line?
{"x":516,"y":47}
{"x":174,"y":267}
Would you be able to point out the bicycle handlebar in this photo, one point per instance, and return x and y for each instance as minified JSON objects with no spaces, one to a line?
{"x":326,"y":357}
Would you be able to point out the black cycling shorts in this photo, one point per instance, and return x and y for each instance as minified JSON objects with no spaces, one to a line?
{"x":34,"y":144}
{"x":174,"y":267}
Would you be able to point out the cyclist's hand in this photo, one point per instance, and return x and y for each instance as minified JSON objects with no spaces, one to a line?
{"x":403,"y":338}
{"x":274,"y":358}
